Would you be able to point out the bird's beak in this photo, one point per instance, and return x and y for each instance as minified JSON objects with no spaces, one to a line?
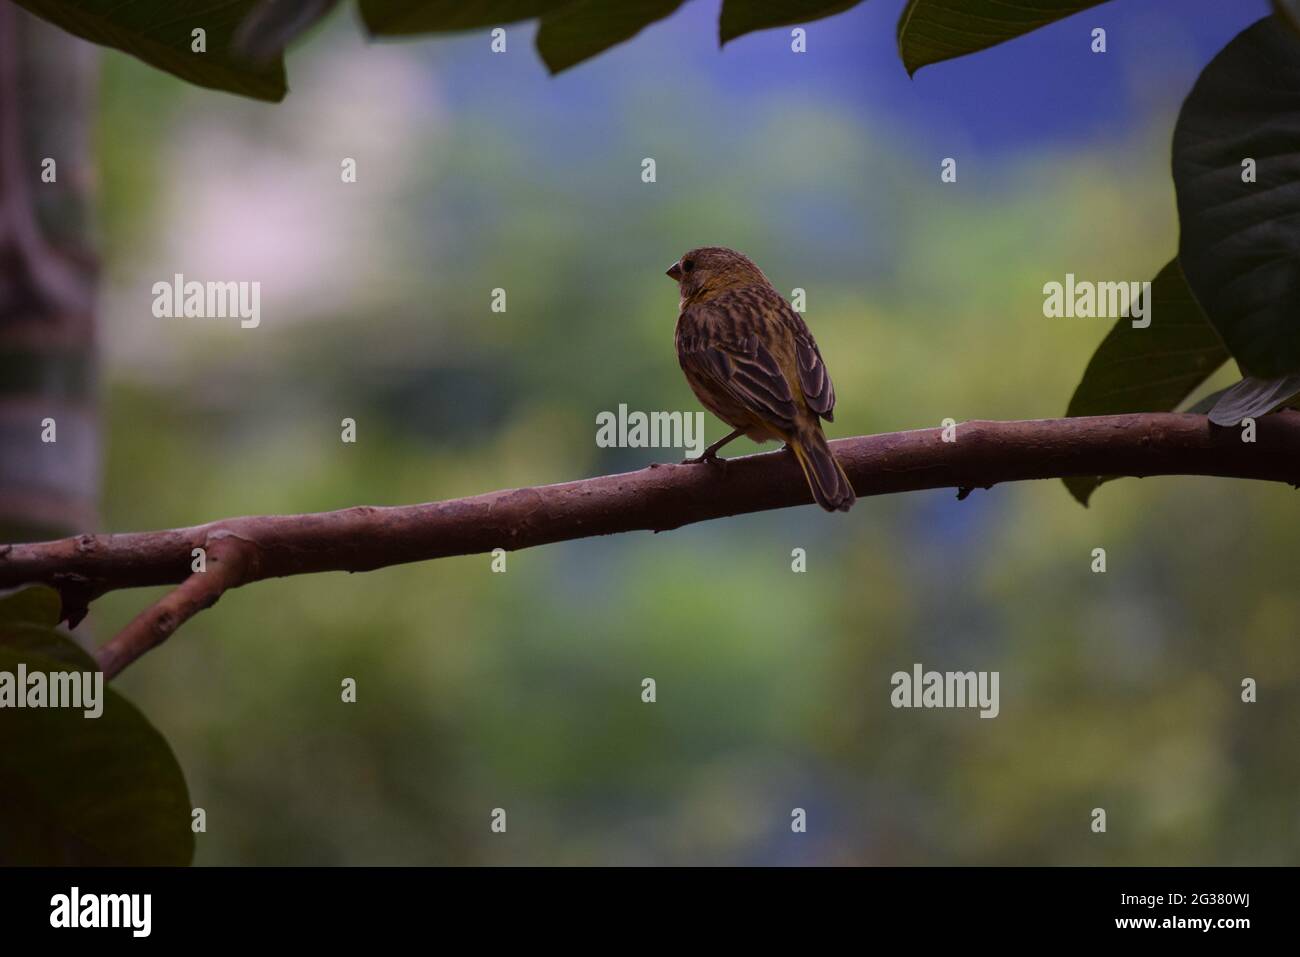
{"x":675,"y":271}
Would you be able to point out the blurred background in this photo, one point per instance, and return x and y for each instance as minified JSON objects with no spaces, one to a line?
{"x":522,"y":691}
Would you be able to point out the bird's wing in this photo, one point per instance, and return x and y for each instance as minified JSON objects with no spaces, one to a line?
{"x":818,"y":390}
{"x":741,"y":367}
{"x":814,"y":379}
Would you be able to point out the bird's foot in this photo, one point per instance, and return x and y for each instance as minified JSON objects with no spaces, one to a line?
{"x":708,"y":458}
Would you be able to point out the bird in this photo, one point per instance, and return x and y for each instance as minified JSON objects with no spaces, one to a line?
{"x":752,"y":361}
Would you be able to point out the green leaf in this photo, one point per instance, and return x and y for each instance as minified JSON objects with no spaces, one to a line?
{"x":1240,"y":243}
{"x":41,"y":640}
{"x":87,"y":791}
{"x":396,"y":17}
{"x":580,"y":29}
{"x":745,"y":16}
{"x":159,"y":33}
{"x":1290,"y":9}
{"x":933,"y":30}
{"x":1148,"y":370}
{"x":27,"y":619}
{"x":31,"y":604}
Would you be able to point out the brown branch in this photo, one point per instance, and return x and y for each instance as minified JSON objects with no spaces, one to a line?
{"x":228,"y":561}
{"x":657,"y":498}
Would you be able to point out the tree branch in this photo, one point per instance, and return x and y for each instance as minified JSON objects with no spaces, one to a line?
{"x":228,"y":560}
{"x":657,"y":498}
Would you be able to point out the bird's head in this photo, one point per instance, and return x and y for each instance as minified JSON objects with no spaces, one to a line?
{"x":707,"y":271}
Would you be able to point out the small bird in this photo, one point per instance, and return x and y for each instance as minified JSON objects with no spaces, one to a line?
{"x":751,"y":360}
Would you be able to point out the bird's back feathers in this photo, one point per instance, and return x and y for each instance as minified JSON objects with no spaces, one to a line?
{"x":771,"y":347}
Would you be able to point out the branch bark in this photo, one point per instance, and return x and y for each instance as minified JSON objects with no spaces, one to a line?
{"x":657,"y":498}
{"x":227,"y":562}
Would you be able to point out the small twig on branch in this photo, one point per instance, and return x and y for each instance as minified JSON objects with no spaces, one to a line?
{"x":228,"y":561}
{"x":657,"y":498}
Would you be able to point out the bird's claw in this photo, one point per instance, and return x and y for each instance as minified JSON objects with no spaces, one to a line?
{"x":708,"y":458}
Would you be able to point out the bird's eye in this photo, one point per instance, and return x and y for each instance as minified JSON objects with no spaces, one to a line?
{"x":688,"y":265}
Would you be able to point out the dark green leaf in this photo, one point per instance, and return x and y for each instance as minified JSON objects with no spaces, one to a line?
{"x":440,"y":16}
{"x":27,"y":619}
{"x":745,"y":16}
{"x":46,"y":642}
{"x":934,"y":30}
{"x":1290,"y":9}
{"x":88,"y":791}
{"x":582,"y":28}
{"x":1240,"y":244}
{"x":1148,"y":370}
{"x":159,"y":33}
{"x":31,"y":604}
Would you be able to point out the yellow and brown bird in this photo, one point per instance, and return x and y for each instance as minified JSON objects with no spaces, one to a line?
{"x":752,"y":361}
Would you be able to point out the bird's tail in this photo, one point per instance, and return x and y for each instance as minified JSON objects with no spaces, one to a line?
{"x":830,"y":486}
